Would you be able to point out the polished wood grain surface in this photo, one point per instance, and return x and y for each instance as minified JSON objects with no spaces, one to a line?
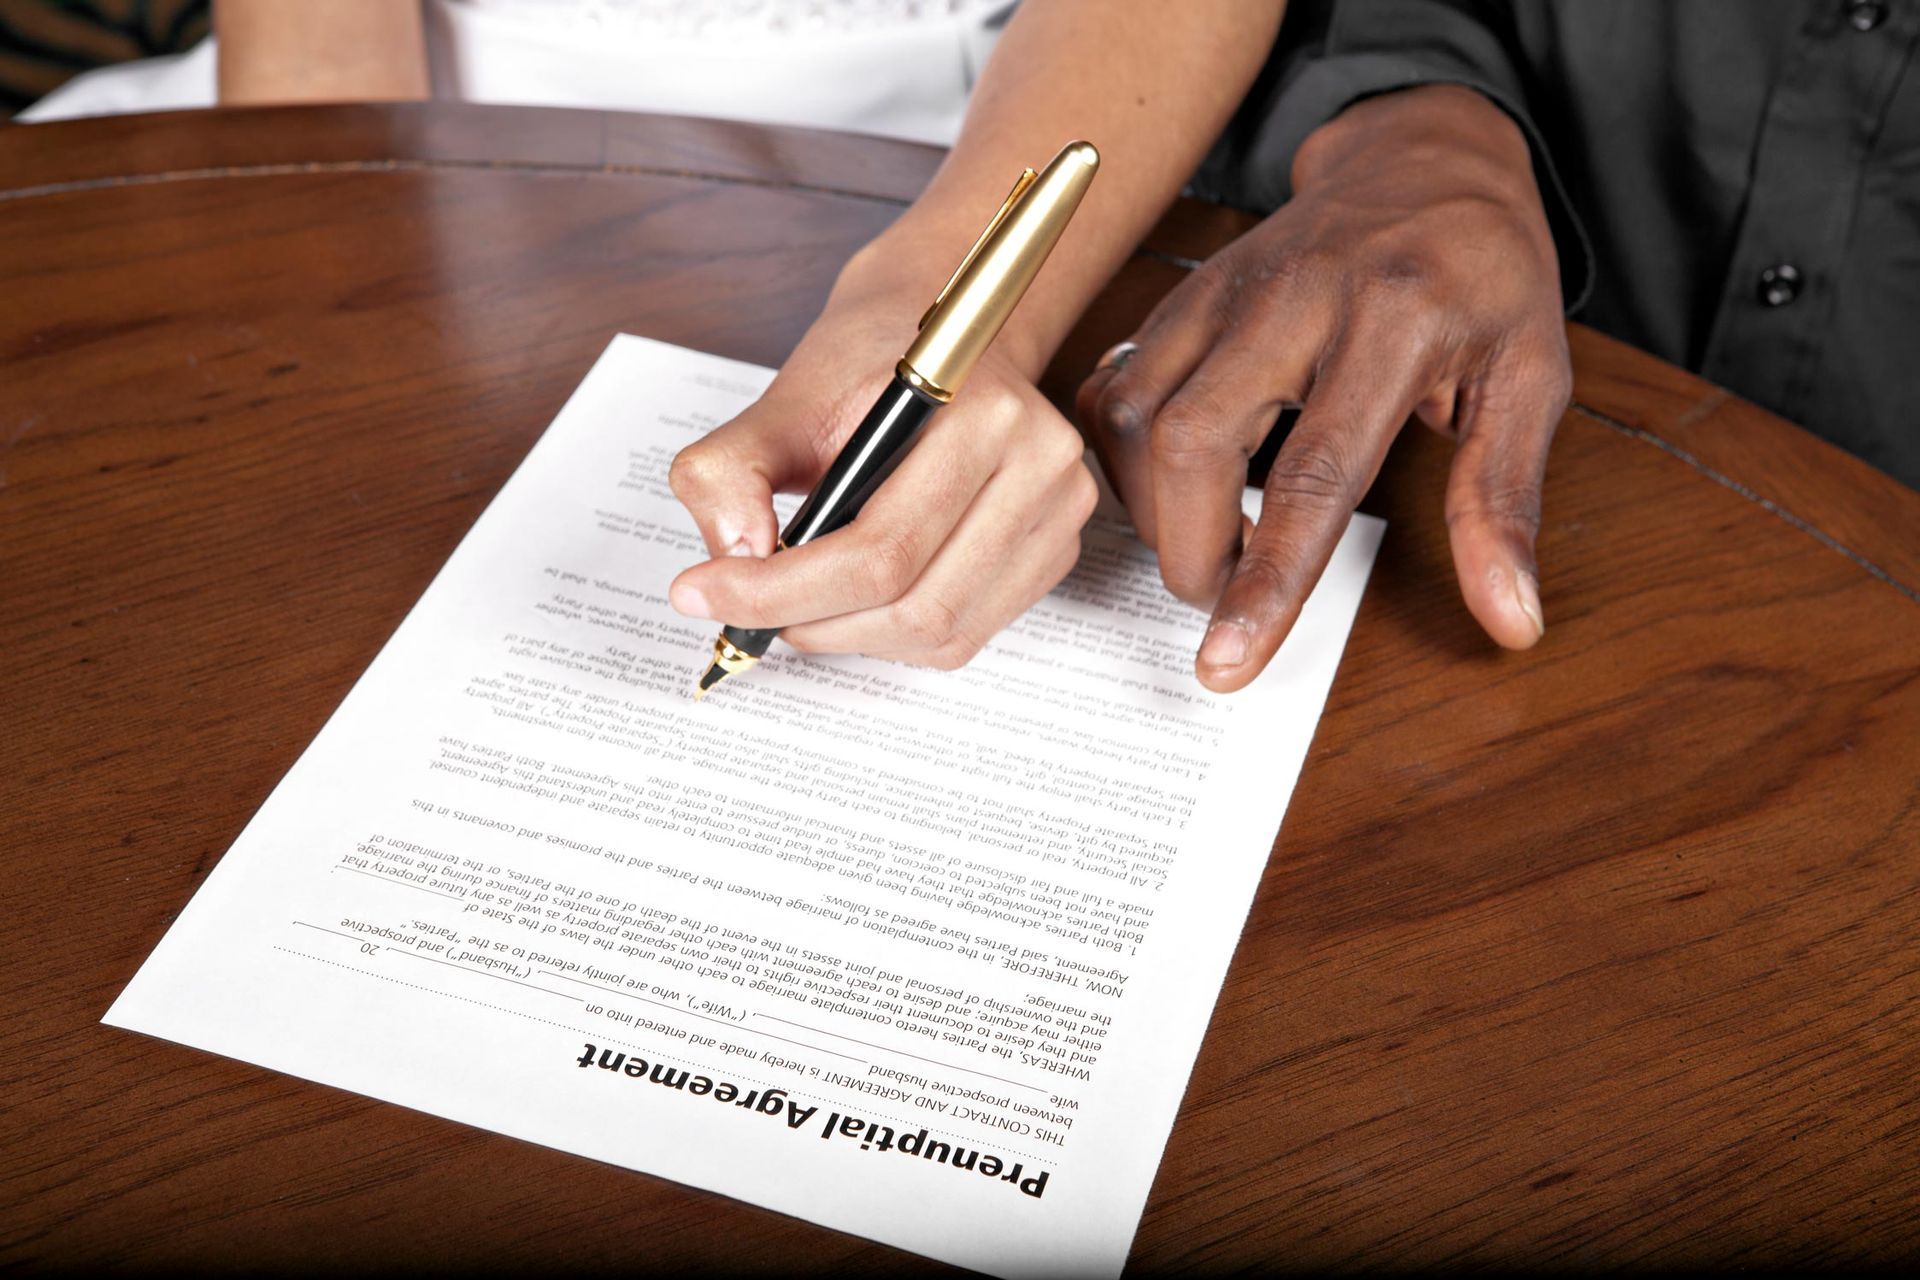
{"x":1607,"y":953}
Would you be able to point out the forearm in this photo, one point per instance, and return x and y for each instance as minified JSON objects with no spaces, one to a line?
{"x":1151,"y":85}
{"x":281,"y":51}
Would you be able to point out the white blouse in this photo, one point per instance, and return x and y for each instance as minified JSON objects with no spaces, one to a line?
{"x":896,"y":67}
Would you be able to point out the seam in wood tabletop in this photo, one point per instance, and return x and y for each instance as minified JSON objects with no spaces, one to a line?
{"x":1765,"y":504}
{"x":1631,"y":432}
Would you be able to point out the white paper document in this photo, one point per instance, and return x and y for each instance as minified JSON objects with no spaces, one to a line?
{"x":922,"y":956}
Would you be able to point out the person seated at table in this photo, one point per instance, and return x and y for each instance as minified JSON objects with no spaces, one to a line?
{"x":1747,"y":176}
{"x":896,"y":67}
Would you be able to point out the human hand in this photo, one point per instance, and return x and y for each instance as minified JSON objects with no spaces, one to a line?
{"x":1412,"y":273}
{"x":980,"y":520}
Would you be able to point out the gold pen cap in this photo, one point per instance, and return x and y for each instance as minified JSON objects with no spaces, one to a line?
{"x":993,"y":277}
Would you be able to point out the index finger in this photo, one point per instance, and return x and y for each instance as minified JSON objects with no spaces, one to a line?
{"x":1322,"y":471}
{"x":871,"y":561}
{"x":727,"y":478}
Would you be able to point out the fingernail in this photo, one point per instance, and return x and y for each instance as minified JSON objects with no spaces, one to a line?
{"x":728,"y":533}
{"x":1527,"y":593}
{"x":688,"y":602}
{"x":740,"y":547}
{"x":1226,"y":645}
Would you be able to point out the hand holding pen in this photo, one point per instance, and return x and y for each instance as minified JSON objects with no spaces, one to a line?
{"x":980,"y":520}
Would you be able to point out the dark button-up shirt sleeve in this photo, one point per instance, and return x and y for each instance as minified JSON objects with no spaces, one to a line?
{"x":1360,"y":48}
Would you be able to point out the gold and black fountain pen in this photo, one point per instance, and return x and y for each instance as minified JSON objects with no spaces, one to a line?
{"x":954,"y":334}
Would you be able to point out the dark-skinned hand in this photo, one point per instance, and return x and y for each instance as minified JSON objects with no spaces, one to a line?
{"x":1412,"y":274}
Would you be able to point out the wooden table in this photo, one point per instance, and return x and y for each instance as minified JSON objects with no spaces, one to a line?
{"x":1604,"y":953}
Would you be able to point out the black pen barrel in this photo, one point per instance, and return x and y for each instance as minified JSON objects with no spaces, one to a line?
{"x":869,"y":456}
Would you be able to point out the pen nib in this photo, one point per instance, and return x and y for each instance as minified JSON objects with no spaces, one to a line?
{"x":711,"y":677}
{"x":728,"y":659}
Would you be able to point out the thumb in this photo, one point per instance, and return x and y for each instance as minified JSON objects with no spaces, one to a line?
{"x":1493,"y":511}
{"x":727,"y":479}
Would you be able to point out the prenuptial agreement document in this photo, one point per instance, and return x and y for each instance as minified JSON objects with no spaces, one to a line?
{"x":922,"y":956}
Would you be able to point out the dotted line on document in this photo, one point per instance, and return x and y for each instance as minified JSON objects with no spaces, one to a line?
{"x":594,"y":1035}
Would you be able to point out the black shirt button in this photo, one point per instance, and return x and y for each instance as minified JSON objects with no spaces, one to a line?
{"x":1779,"y":284}
{"x":1866,"y":15}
